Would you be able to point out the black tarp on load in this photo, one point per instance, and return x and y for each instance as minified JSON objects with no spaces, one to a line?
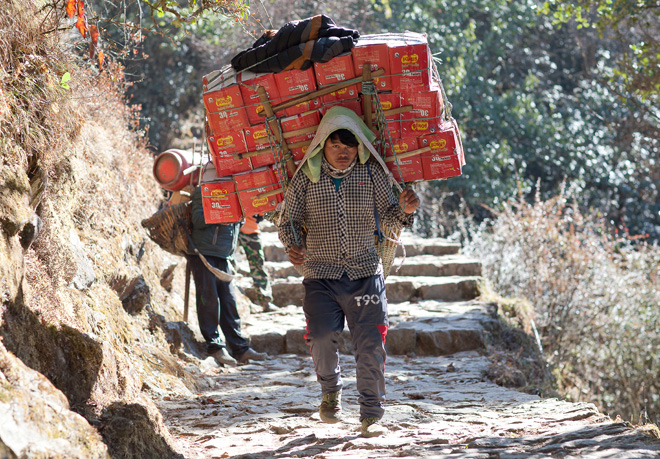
{"x":297,"y":45}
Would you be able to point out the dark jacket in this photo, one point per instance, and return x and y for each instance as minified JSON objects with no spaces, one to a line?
{"x":215,"y":240}
{"x":297,"y":45}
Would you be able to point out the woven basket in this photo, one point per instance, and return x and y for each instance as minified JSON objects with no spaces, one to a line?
{"x":387,"y":247}
{"x":165,"y":229}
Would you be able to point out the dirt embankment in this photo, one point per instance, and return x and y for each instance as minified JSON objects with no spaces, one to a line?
{"x":87,"y":321}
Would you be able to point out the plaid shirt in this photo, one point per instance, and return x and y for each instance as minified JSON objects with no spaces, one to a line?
{"x":340,"y":224}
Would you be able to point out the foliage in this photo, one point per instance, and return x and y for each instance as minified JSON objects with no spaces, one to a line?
{"x":167,"y":85}
{"x":595,"y":298}
{"x":634,"y":24}
{"x":123,"y":25}
{"x":534,"y":103}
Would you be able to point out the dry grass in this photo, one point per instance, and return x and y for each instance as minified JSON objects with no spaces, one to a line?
{"x":595,"y":297}
{"x":36,"y":113}
{"x":97,"y":184}
{"x":516,"y":357}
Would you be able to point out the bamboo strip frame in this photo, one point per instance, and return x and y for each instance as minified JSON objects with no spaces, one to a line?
{"x":322,"y":92}
{"x":407,"y":154}
{"x":274,"y":127}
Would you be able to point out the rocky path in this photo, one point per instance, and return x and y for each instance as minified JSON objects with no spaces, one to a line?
{"x":439,"y":403}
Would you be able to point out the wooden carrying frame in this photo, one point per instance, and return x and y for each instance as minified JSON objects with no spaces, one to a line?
{"x":389,"y":238}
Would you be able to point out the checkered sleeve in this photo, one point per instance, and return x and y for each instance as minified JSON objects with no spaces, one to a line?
{"x":291,"y":226}
{"x":387,"y":204}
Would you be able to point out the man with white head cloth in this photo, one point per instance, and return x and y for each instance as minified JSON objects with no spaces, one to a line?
{"x":338,"y":198}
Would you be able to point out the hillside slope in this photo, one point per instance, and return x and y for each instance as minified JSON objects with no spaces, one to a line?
{"x":86,"y":322}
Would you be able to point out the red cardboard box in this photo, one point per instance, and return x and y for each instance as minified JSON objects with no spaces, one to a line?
{"x":256,"y":138}
{"x":225,"y":110}
{"x":374,"y":50}
{"x":425,"y":117}
{"x":393,"y":126}
{"x":293,"y":123}
{"x":277,"y":170}
{"x":390,"y":102}
{"x":339,"y":68}
{"x":220,"y":202}
{"x":227,"y":144}
{"x":353,"y":104}
{"x":295,"y":82}
{"x":253,"y":105}
{"x":302,"y":107}
{"x":411,"y":169}
{"x":402,"y":145}
{"x":444,"y":160}
{"x":438,"y":167}
{"x":265,"y":159}
{"x":410,"y":63}
{"x":299,"y":152}
{"x":351,"y":92}
{"x":251,"y":184}
{"x":227,"y":121}
{"x":225,"y":164}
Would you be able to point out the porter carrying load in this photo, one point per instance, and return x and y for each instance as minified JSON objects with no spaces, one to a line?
{"x":261,"y":125}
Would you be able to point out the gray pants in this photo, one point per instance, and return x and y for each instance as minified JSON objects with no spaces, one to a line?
{"x":363,"y":304}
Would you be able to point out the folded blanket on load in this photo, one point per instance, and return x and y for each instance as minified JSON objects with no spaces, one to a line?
{"x":297,"y":45}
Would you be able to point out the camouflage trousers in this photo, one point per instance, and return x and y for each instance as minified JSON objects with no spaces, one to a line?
{"x":255,"y":256}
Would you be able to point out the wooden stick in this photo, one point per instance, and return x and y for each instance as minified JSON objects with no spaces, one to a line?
{"x":297,"y":132}
{"x":396,"y":111}
{"x":274,"y":127}
{"x":250,"y":154}
{"x":307,"y":130}
{"x":304,"y":143}
{"x":407,"y":154}
{"x":186,"y":295}
{"x":323,"y":91}
{"x":269,"y":193}
{"x":366,"y":98}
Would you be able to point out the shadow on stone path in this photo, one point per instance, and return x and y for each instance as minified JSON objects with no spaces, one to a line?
{"x":437,"y":407}
{"x":439,"y":403}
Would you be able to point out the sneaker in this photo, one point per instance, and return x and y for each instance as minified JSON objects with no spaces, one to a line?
{"x":223,"y":358}
{"x":251,"y":354}
{"x":330,"y":409}
{"x":371,"y":427}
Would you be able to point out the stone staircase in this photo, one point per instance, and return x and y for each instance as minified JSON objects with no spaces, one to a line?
{"x":440,"y":402}
{"x":433,"y":308}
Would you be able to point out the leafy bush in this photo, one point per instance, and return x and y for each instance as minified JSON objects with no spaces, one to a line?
{"x":595,"y":296}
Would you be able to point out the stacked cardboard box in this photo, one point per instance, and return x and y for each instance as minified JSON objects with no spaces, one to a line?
{"x":426,"y":145}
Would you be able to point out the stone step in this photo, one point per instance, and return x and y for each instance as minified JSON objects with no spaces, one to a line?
{"x":439,"y":328}
{"x":414,"y":246}
{"x":449,"y":288}
{"x":420,"y":265}
{"x":436,"y":266}
{"x":424,"y":328}
{"x":280,"y":269}
{"x":290,"y":291}
{"x":418,"y":245}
